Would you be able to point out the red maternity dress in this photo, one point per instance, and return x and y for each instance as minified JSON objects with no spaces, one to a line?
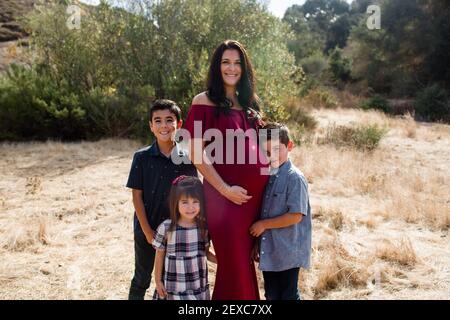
{"x":229,"y":223}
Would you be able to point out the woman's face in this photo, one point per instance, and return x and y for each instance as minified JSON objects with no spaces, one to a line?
{"x":230,"y":66}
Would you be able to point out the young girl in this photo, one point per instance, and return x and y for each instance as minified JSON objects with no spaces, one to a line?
{"x":182,"y":245}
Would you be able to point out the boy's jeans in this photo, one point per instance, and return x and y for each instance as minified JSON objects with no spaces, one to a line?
{"x":281,"y":285}
{"x":144,"y":258}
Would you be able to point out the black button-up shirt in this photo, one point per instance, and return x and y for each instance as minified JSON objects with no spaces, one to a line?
{"x":153,"y":173}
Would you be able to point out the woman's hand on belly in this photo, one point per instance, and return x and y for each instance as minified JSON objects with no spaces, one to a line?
{"x":236,"y":194}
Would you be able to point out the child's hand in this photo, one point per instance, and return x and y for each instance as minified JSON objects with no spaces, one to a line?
{"x":257,"y":228}
{"x":255,"y":252}
{"x":149,"y":236}
{"x":162,"y":293}
{"x":211,"y":256}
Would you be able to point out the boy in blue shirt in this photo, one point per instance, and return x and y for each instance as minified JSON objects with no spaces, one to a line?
{"x":152,"y":171}
{"x":284,"y":231}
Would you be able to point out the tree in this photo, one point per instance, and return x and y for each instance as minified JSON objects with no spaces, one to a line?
{"x":122,"y":58}
{"x":323,"y":12}
{"x":318,"y":25}
{"x":305,"y":41}
{"x":410,"y":51}
{"x":338,"y":33}
{"x":340,"y":66}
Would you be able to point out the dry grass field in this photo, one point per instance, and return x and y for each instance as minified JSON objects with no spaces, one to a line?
{"x":381,"y":219}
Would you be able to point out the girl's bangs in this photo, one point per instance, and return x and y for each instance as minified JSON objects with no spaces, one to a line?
{"x":190,"y":192}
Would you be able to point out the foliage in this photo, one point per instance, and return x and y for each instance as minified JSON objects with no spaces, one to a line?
{"x":321,"y":97}
{"x":410,"y":49}
{"x":377,"y":102}
{"x":33,"y":105}
{"x":100,"y":79}
{"x":299,"y":115}
{"x":318,"y":26}
{"x":432,"y":103}
{"x":276,"y":72}
{"x":340,"y":66}
{"x":363,"y":137}
{"x":314,"y":65}
{"x":305,"y":41}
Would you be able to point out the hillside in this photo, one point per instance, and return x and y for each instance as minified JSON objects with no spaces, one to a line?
{"x":11,"y":12}
{"x":11,"y":30}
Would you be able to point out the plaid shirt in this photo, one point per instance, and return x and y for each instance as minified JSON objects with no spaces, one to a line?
{"x":185,"y":265}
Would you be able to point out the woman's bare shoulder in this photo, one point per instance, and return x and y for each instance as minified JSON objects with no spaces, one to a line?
{"x":203,"y":99}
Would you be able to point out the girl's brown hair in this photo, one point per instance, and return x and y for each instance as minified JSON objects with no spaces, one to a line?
{"x":189,"y":187}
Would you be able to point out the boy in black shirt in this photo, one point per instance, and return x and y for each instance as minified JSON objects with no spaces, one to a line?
{"x":151,"y":175}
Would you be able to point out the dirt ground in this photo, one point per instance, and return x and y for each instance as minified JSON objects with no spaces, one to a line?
{"x":380,"y":219}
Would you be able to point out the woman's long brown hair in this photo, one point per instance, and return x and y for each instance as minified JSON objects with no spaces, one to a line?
{"x":246,"y":86}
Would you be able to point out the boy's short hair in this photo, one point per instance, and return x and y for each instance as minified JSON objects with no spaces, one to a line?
{"x":284,"y":135}
{"x":165,"y":104}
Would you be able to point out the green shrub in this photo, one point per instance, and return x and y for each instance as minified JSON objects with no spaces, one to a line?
{"x":377,"y":102}
{"x":35,"y":106}
{"x":363,"y":137}
{"x":340,"y":66}
{"x":118,"y":113}
{"x":314,"y":65}
{"x":432,"y":104}
{"x":300,"y":134}
{"x":368,"y":137}
{"x":309,"y":84}
{"x":321,"y":98}
{"x":299,"y":115}
{"x":99,"y":80}
{"x":275,"y":76}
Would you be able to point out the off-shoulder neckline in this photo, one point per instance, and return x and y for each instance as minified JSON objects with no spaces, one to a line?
{"x":208,"y":105}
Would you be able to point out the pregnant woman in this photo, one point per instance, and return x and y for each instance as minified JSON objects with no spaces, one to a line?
{"x":233,"y":189}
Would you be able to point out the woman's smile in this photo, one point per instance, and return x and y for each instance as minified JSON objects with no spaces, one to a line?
{"x":231,"y":67}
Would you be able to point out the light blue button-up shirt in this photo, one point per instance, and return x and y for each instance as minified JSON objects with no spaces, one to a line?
{"x":286,"y":248}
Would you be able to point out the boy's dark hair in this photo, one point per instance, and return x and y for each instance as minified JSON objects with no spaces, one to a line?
{"x":284,"y":135}
{"x":165,"y":104}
